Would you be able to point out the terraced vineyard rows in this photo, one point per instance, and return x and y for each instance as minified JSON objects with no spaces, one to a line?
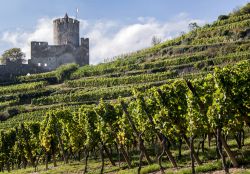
{"x":92,"y":104}
{"x":164,"y":61}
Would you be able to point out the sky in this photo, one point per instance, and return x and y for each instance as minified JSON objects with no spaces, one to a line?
{"x":114,"y":27}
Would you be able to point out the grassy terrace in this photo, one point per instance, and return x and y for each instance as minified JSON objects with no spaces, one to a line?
{"x":164,"y":61}
{"x":190,"y":56}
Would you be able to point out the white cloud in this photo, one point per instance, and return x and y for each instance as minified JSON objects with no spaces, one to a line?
{"x":22,"y":39}
{"x":135,"y":36}
{"x":107,"y":38}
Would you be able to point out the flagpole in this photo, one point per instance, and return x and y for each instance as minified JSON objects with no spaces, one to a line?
{"x":77,"y":10}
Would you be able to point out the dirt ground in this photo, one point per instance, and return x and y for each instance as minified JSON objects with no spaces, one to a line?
{"x":232,"y":171}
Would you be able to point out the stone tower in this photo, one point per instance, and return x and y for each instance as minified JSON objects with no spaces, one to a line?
{"x":66,"y":49}
{"x":66,"y":31}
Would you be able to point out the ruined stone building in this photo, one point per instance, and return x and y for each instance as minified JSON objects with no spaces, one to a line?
{"x":67,"y":48}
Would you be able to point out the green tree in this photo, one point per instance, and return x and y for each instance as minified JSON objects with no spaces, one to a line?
{"x":155,"y":40}
{"x":193,"y":26}
{"x":14,"y":55}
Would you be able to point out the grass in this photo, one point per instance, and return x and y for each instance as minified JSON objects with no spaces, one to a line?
{"x":94,"y":168}
{"x":245,"y":172}
{"x":209,"y":165}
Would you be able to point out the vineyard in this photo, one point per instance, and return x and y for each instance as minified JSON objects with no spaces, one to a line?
{"x":181,"y":106}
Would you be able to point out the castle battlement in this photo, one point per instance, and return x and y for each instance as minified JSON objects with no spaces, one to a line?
{"x":34,"y":43}
{"x":85,"y":42}
{"x":65,"y":21}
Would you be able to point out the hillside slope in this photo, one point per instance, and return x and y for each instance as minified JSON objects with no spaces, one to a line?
{"x":226,"y":41}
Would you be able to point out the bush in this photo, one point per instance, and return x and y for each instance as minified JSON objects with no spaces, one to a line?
{"x":64,"y":71}
{"x":13,"y":111}
{"x":223,"y":17}
{"x":245,"y":47}
{"x":242,"y":11}
{"x":10,"y":112}
{"x":245,"y":9}
{"x":230,"y":48}
{"x":3,"y":116}
{"x":244,"y":33}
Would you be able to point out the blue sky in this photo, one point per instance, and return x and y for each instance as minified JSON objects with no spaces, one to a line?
{"x":114,"y":26}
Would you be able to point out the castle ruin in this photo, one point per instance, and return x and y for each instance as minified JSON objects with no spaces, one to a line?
{"x":67,"y":48}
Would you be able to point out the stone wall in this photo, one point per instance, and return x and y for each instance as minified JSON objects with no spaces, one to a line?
{"x":11,"y":70}
{"x":50,"y":57}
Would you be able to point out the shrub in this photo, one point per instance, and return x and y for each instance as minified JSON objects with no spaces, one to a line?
{"x":245,"y":9}
{"x":242,"y":11}
{"x":3,"y":116}
{"x":64,"y":71}
{"x":223,"y":17}
{"x":13,"y":111}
